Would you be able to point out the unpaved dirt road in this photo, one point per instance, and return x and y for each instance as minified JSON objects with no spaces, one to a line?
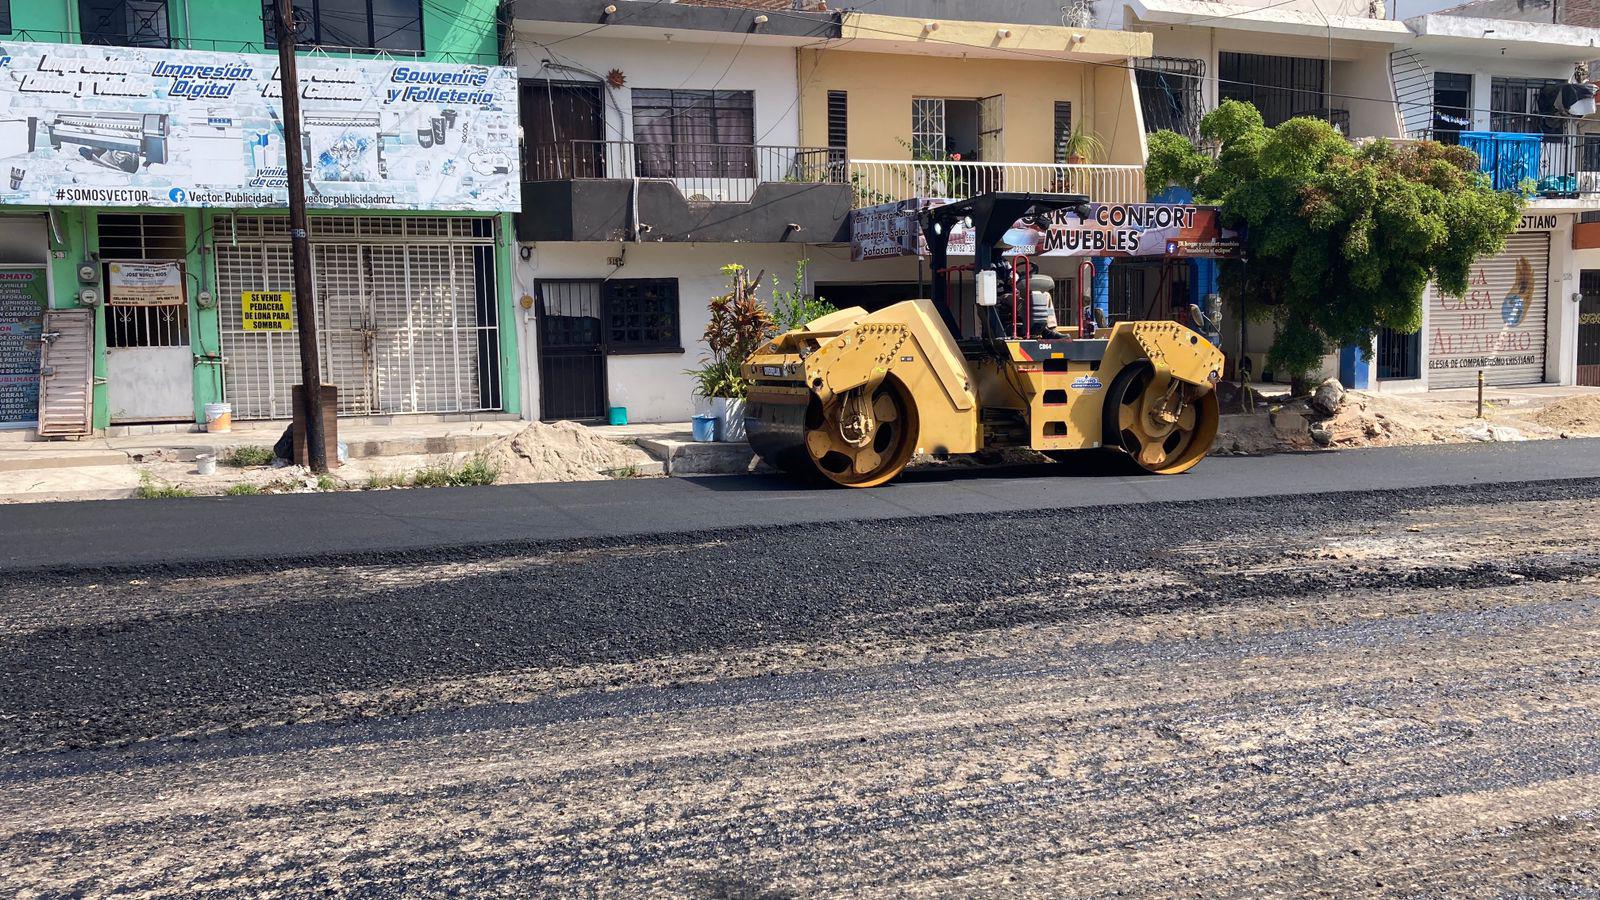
{"x":1371,"y":693}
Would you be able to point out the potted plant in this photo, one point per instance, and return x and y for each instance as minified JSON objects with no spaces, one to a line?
{"x":739,"y":325}
{"x":1081,"y":146}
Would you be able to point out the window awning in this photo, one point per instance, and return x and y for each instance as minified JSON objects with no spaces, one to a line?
{"x":1270,"y":19}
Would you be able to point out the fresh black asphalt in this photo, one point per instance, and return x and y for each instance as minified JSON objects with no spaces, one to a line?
{"x":309,"y":526}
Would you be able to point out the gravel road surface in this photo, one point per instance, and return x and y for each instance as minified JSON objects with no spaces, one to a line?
{"x":1372,"y":692}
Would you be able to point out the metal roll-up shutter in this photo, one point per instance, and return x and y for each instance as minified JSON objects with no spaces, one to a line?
{"x":66,"y":373}
{"x":406,"y":309}
{"x":1498,"y":326}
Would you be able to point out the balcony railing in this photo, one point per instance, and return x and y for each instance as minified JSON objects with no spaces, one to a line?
{"x":878,"y":181}
{"x":705,"y":173}
{"x":1558,"y":165}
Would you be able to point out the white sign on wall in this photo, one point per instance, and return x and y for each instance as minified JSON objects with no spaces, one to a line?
{"x":134,"y":126}
{"x":144,"y":283}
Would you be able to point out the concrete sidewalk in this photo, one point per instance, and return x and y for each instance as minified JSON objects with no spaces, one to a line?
{"x":113,"y":465}
{"x":21,"y":451}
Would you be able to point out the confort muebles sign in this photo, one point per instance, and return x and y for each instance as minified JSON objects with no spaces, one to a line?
{"x":1110,"y":230}
{"x":131,"y":126}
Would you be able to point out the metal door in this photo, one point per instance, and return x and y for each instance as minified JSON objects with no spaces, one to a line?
{"x":563,"y":130}
{"x":991,"y":134}
{"x":149,"y":360}
{"x":1498,"y":325}
{"x":1127,"y":291}
{"x":1589,"y":327}
{"x":66,"y":373}
{"x":572,"y":362}
{"x":1399,"y":355}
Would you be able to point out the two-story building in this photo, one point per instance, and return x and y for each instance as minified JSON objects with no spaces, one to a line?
{"x":146,"y":185}
{"x":1487,"y":74}
{"x":665,"y":141}
{"x":1503,"y":78}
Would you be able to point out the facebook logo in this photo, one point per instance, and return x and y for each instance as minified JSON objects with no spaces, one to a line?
{"x":177,"y":195}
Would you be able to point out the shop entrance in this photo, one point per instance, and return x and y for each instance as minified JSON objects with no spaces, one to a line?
{"x":1498,"y":325}
{"x":149,"y":364}
{"x":1149,"y":289}
{"x":572,"y":358}
{"x":407,"y":313}
{"x":1589,"y":327}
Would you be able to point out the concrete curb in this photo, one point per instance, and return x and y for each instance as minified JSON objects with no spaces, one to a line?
{"x":32,"y":463}
{"x":697,"y":458}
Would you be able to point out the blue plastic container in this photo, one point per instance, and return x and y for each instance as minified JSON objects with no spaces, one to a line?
{"x":705,"y":428}
{"x":617,"y":415}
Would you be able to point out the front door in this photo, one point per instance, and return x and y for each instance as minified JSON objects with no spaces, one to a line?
{"x":572,"y":361}
{"x":1589,"y":327}
{"x":564,"y":130}
{"x":149,"y":361}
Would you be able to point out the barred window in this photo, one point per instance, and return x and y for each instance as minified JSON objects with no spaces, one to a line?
{"x":642,"y":315}
{"x":354,"y":24}
{"x":124,"y":23}
{"x":838,"y":119}
{"x":1063,"y":129}
{"x":687,"y":134}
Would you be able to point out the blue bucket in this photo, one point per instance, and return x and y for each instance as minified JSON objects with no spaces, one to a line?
{"x":617,"y":415}
{"x":705,"y":428}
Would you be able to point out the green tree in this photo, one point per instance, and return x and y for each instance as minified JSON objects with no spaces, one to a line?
{"x":1340,"y":240}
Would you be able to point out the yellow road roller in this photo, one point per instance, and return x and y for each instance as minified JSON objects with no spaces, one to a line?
{"x":852,"y":397}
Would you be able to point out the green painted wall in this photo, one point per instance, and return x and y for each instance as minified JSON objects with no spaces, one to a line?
{"x":460,"y":31}
{"x":454,"y":31}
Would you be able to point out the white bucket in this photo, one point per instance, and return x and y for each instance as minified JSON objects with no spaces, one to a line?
{"x":219,"y":417}
{"x":205,"y":464}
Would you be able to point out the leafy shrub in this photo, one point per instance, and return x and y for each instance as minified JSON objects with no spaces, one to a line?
{"x":247,"y":456}
{"x":151,"y":489}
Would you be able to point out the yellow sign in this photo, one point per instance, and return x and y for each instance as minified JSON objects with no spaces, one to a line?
{"x":268,"y":310}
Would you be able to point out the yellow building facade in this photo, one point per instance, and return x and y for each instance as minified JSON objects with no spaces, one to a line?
{"x":906,"y":89}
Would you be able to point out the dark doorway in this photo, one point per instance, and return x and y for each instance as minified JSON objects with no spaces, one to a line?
{"x":1589,"y":327}
{"x":563,"y":127}
{"x":1281,"y":87}
{"x":870,"y":296}
{"x":1452,"y":106}
{"x":1399,"y":355}
{"x":572,"y":360}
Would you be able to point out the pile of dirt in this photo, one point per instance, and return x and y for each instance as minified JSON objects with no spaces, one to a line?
{"x":562,"y":451}
{"x":1575,"y":415}
{"x":1388,"y":420}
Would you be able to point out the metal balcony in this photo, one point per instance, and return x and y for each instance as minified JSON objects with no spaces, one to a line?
{"x":876,"y":181}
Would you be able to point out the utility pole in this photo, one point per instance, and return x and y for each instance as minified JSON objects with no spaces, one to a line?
{"x":300,"y":241}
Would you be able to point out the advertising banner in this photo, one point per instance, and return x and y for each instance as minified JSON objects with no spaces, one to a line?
{"x":1115,"y":230}
{"x":887,"y":230}
{"x":144,"y":283}
{"x":22,"y":303}
{"x":136,"y":126}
